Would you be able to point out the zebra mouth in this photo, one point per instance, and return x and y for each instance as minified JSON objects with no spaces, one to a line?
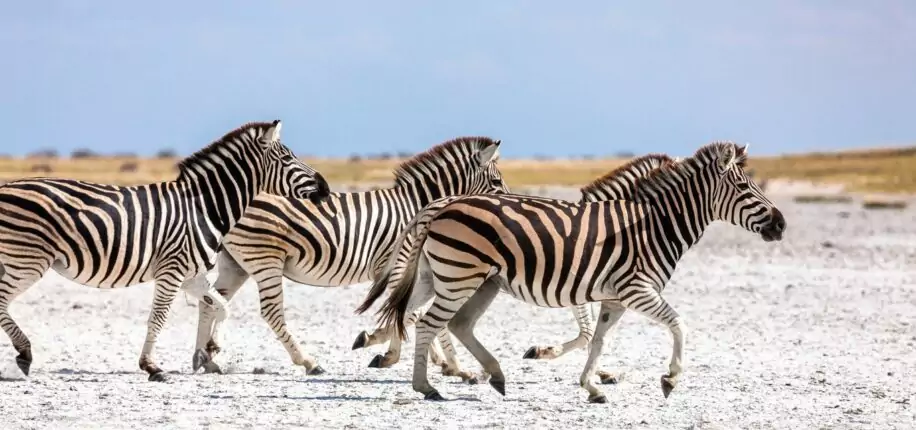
{"x":774,"y":229}
{"x":769,"y":235}
{"x":319,"y":194}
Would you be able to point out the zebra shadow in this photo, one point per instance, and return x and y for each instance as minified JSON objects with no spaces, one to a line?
{"x":347,"y":381}
{"x":325,"y":398}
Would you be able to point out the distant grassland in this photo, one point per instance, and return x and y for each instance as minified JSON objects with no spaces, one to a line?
{"x":877,"y":170}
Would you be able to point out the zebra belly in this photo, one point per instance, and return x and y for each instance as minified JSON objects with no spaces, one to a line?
{"x":321,"y":277}
{"x":104,"y":278}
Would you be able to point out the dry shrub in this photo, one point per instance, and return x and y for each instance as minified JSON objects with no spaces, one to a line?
{"x":43,"y":153}
{"x":42,"y":168}
{"x":129,"y":167}
{"x":822,"y":198}
{"x":166,"y":153}
{"x":82,"y":153}
{"x":878,"y":203}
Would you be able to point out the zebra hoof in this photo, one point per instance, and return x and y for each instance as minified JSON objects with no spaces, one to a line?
{"x":200,"y":359}
{"x":361,"y":340}
{"x":600,"y":398}
{"x":211,"y":367}
{"x":377,"y":361}
{"x":158,"y":377}
{"x":667,"y":385}
{"x":608,"y":378}
{"x":473,"y":380}
{"x":434,"y":396}
{"x":24,"y":363}
{"x":317,"y":370}
{"x":499,"y":386}
{"x":532,"y":353}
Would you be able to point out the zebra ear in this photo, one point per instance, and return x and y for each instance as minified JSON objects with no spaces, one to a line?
{"x":273,"y":133}
{"x":726,"y":158}
{"x":489,"y":153}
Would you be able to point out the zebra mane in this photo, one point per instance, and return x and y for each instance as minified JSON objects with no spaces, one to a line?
{"x":618,"y":183}
{"x":251,"y":129}
{"x":672,"y":174}
{"x":458,"y":150}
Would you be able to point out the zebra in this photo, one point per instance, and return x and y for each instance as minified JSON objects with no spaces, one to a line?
{"x":618,"y":184}
{"x":109,"y":236}
{"x":555,"y":253}
{"x":344,"y":241}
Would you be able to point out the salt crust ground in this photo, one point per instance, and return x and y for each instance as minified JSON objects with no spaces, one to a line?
{"x":815,"y":332}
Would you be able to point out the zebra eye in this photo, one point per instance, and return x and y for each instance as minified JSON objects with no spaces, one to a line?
{"x":742,"y":186}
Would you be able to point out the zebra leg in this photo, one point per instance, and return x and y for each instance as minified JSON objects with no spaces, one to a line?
{"x":449,"y":360}
{"x":427,"y":328}
{"x":393,"y":355}
{"x":654,"y":306}
{"x":584,"y":320}
{"x":462,"y":325}
{"x":270,"y":291}
{"x":167,"y":286}
{"x":15,"y":280}
{"x":230,"y":279}
{"x":212,"y":304}
{"x":610,"y":314}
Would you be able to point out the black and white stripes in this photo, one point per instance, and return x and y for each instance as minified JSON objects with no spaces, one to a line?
{"x":343,"y":241}
{"x":558,"y":254}
{"x":108,"y":236}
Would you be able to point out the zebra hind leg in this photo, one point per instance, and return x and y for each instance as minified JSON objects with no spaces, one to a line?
{"x":462,"y":325}
{"x":167,"y":286}
{"x":15,"y":280}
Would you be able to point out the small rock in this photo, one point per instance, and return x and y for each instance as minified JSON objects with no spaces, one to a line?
{"x":258,"y":371}
{"x":76,"y":306}
{"x":827,"y":244}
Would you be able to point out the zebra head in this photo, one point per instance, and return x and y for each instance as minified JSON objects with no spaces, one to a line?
{"x":739,"y":200}
{"x":286,"y":175}
{"x":465,"y":165}
{"x":484,"y":176}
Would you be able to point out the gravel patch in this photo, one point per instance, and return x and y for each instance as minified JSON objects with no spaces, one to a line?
{"x":818,"y":331}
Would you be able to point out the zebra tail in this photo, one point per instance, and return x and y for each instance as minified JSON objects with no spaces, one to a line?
{"x":401,"y":282}
{"x":385,"y":280}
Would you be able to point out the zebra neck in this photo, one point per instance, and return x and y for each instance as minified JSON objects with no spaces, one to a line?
{"x":219,"y":198}
{"x":682,"y":215}
{"x":421,"y":192}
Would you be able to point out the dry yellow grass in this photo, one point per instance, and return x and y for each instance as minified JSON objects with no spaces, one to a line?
{"x":879,"y":170}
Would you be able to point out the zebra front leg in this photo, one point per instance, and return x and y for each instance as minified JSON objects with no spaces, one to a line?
{"x":211,"y":306}
{"x":610,"y":314}
{"x":449,"y":362}
{"x":393,"y":354}
{"x":230,"y":279}
{"x":651,"y":304}
{"x":15,"y":280}
{"x":583,"y":319}
{"x":270,"y":291}
{"x":164,"y":292}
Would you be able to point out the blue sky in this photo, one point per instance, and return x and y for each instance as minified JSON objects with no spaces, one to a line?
{"x":548,"y":78}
